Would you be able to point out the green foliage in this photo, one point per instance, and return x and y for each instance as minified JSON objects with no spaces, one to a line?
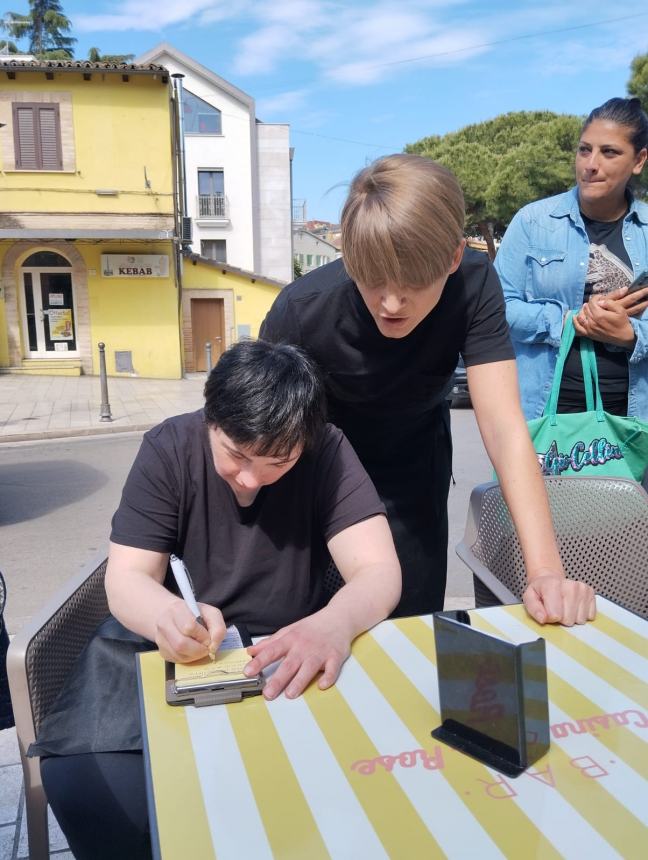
{"x":638,"y":83}
{"x":297,"y":269}
{"x":95,"y":56}
{"x":8,"y":47}
{"x":506,"y":162}
{"x":46,"y":27}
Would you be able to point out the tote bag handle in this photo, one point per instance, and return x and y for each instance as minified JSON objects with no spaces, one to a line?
{"x":590,"y":373}
{"x":566,"y":342}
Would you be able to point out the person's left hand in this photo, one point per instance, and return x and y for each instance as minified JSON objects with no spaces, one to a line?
{"x":552,"y":599}
{"x":607,"y":318}
{"x":318,"y":643}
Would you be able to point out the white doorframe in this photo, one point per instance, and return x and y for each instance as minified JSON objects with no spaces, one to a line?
{"x":39,"y":314}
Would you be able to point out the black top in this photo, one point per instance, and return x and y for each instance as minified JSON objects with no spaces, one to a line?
{"x":379,"y":386}
{"x":609,"y":269}
{"x":263,"y":565}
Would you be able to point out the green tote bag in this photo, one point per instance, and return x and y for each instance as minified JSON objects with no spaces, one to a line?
{"x":593,"y":442}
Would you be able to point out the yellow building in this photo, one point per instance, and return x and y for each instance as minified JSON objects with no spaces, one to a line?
{"x":220,"y":305}
{"x":90,"y":217}
{"x":87,"y":223}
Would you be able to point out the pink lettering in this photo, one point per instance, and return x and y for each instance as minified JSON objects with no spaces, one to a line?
{"x":588,"y":764}
{"x":500,"y":789}
{"x":544,"y":776}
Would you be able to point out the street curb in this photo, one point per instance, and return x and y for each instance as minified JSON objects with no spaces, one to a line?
{"x":76,"y":431}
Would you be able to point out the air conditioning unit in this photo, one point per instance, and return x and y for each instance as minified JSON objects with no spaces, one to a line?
{"x":186,"y":237}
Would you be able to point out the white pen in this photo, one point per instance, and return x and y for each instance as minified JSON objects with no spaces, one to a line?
{"x":182,"y":578}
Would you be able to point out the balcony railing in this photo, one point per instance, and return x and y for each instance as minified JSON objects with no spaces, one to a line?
{"x":213,"y":206}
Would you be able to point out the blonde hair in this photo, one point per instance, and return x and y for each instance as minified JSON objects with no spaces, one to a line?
{"x":402,"y":222}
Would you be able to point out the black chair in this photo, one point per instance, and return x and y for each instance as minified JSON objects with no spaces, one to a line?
{"x":41,"y":657}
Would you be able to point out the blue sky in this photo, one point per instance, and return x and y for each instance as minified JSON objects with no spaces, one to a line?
{"x":356,"y":80}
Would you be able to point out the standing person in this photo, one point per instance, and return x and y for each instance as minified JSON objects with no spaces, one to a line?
{"x":580,"y":251}
{"x":387,"y":326}
{"x":253,"y":492}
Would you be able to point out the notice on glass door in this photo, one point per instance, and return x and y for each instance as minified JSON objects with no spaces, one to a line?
{"x":60,"y":324}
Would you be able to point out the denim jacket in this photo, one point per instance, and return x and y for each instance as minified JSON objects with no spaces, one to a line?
{"x":542,"y":263}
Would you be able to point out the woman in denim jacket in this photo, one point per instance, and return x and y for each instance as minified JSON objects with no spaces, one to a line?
{"x":580,"y":251}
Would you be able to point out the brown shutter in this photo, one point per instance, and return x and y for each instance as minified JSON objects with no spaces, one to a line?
{"x":50,"y":151}
{"x":25,"y":137}
{"x":37,"y":136}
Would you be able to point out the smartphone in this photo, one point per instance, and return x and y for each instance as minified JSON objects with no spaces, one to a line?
{"x":639,"y":282}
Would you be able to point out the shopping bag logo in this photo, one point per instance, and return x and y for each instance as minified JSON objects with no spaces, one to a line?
{"x":596,"y":453}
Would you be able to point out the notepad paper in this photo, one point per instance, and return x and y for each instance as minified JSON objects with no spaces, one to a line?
{"x":231,"y":659}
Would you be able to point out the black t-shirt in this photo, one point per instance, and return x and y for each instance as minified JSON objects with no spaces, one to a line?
{"x":609,"y":269}
{"x":383,"y":391}
{"x":262,"y":565}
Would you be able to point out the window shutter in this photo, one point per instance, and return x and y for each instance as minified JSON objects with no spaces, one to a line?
{"x":26,"y":153}
{"x":37,"y":136}
{"x":49,"y":138}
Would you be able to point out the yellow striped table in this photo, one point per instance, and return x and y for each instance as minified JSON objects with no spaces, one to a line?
{"x":354,"y":773}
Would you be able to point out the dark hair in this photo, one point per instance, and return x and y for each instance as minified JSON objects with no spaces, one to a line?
{"x":267,"y":396}
{"x":626,"y":112}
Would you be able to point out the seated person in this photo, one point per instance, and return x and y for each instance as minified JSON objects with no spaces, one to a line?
{"x":255,"y":493}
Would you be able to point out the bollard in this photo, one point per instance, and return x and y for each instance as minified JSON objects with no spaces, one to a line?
{"x":105,"y":414}
{"x":208,"y":356}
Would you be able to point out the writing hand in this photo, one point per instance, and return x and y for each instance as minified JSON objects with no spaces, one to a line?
{"x":318,"y":643}
{"x":179,"y":636}
{"x":552,"y":599}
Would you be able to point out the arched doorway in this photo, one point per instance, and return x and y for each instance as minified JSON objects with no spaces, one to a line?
{"x":48,"y":312}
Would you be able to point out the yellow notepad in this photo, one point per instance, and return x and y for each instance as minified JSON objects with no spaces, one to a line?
{"x":228,"y":665}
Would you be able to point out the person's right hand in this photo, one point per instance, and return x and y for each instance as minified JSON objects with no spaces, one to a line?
{"x":179,"y":636}
{"x":633,"y":303}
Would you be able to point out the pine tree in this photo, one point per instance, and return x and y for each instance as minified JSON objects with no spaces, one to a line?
{"x":95,"y":56}
{"x":45,"y":26}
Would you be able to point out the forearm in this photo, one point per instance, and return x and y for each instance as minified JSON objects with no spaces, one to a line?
{"x":536,"y":321}
{"x":367,"y":598}
{"x":136,"y":596}
{"x":506,"y":438}
{"x":525,"y":494}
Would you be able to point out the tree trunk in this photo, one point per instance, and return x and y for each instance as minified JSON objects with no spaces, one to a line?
{"x":485,"y":230}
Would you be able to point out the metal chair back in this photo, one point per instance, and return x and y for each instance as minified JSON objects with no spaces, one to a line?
{"x":601,"y":527}
{"x":40,"y":658}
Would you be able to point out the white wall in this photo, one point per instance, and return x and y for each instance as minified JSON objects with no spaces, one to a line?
{"x":231,"y":152}
{"x":255,"y":160}
{"x":274,"y":201}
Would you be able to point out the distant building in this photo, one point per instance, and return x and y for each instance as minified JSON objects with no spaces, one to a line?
{"x":312,"y":251}
{"x":326,"y":230}
{"x":237,"y":171}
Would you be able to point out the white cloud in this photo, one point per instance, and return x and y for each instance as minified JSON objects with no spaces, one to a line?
{"x":282,"y":102}
{"x":147,"y":15}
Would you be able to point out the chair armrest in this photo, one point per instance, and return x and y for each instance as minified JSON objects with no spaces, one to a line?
{"x":483,"y":575}
{"x":42,"y":654}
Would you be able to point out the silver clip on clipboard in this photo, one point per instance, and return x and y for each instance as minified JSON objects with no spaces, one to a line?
{"x":219,"y":689}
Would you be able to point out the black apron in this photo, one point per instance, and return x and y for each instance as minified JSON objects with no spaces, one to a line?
{"x":98,"y":708}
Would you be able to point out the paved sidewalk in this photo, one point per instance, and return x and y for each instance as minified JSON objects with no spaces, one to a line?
{"x":41,"y":407}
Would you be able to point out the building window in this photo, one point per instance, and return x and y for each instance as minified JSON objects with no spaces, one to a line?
{"x":309,"y":259}
{"x":211,"y":194}
{"x":198,"y":116}
{"x":214,"y":249}
{"x":37,"y":136}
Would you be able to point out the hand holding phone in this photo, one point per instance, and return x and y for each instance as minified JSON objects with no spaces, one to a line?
{"x":639,"y":283}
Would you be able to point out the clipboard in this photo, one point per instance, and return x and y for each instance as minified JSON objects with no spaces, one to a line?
{"x":203,"y":683}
